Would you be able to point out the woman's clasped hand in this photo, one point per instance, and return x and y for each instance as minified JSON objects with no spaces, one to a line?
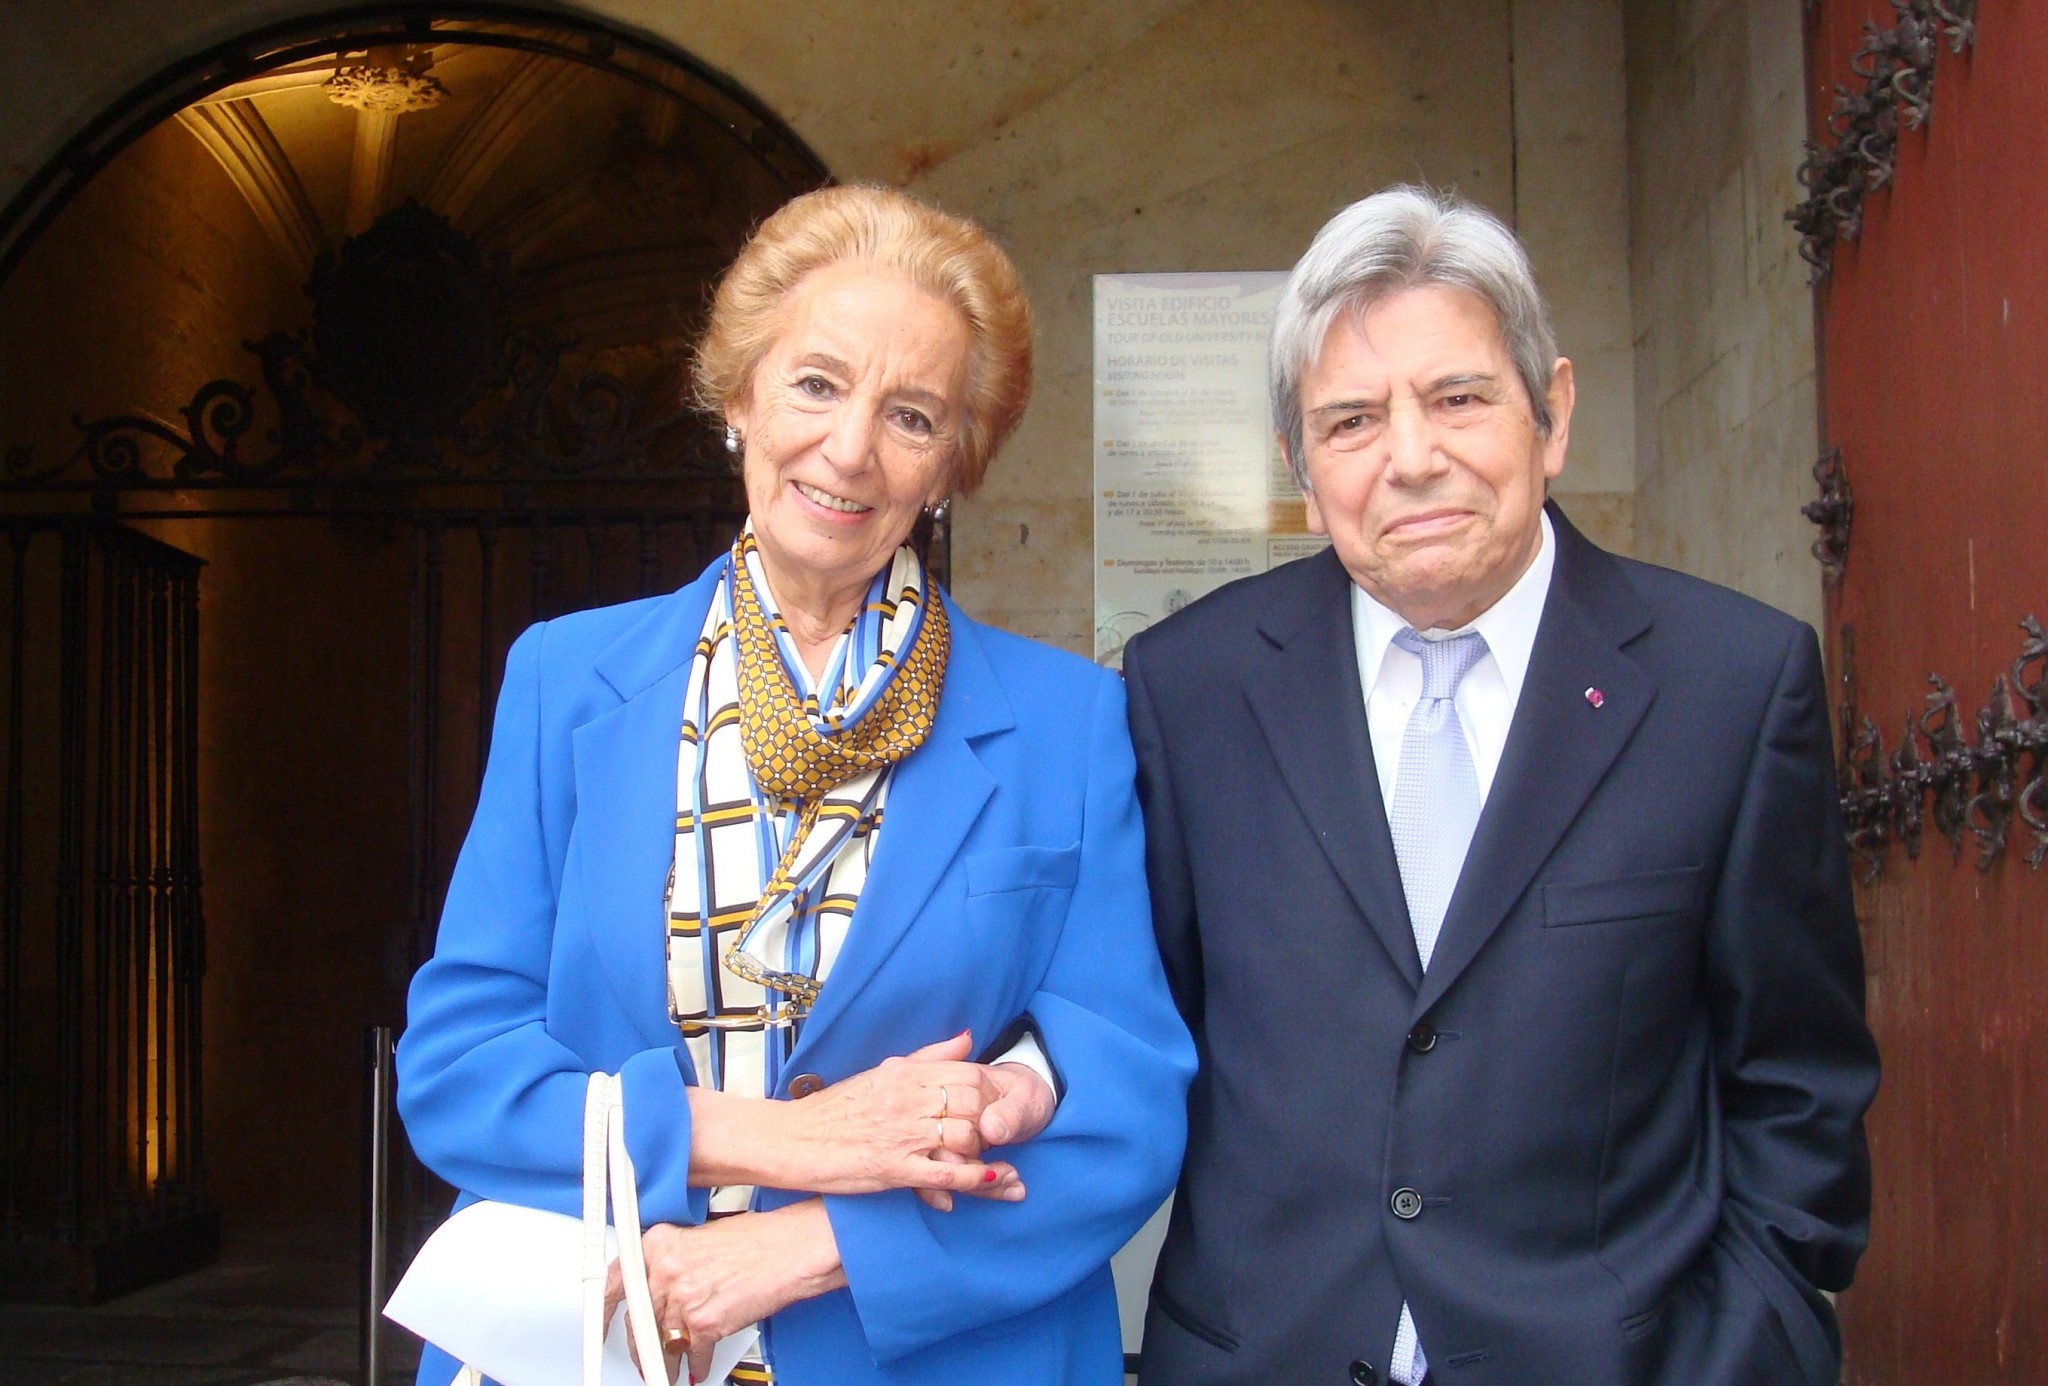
{"x":710,"y":1281}
{"x":921,"y":1122}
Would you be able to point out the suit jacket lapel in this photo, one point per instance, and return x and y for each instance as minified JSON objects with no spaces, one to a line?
{"x":935,"y":796}
{"x":1308,"y":703}
{"x":1559,"y":746}
{"x":626,"y":802}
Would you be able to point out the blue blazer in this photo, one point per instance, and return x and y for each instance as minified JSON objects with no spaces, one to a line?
{"x":1010,"y":881}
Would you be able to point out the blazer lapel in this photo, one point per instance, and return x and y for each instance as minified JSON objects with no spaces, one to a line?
{"x":1308,"y":703}
{"x":935,"y":796}
{"x":626,"y":802}
{"x":1559,"y":746}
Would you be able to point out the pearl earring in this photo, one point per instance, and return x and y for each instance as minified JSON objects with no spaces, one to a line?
{"x":938,"y":510}
{"x":732,"y":440}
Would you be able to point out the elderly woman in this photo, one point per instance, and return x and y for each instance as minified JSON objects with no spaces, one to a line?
{"x":787,"y":848}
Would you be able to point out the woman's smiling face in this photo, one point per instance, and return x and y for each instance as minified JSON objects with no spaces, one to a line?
{"x":850,"y":425}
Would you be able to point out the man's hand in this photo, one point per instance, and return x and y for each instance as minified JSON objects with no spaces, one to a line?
{"x":1020,"y":1107}
{"x":1016,"y":1105}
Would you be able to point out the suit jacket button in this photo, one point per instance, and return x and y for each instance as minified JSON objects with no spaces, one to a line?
{"x":1407,"y":1204}
{"x":1422,"y":1038}
{"x":804,"y":1084}
{"x":1362,"y":1374}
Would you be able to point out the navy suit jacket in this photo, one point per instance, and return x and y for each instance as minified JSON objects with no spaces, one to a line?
{"x":1009,"y":881}
{"x":1628,"y":1091}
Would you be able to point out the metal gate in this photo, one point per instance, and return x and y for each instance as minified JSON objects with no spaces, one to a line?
{"x":101,"y":1147}
{"x":519,"y":496}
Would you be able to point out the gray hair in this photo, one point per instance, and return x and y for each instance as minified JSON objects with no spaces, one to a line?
{"x":1405,"y":237}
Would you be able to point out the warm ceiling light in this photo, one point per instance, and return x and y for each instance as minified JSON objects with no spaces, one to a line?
{"x":391,"y":81}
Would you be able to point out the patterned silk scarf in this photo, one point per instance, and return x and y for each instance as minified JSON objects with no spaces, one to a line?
{"x":780,"y":788}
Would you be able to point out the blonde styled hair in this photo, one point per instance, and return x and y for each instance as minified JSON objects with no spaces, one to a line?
{"x":946,"y":256}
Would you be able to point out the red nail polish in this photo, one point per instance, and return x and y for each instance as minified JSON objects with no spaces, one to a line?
{"x":988,"y":1176}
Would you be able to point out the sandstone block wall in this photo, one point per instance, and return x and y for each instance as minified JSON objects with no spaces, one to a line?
{"x":1726,"y":428}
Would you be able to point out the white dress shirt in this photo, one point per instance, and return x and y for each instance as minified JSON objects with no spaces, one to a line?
{"x":1391,"y":677}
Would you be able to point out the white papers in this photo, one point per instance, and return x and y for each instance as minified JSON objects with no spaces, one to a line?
{"x":499,"y":1287}
{"x":1191,"y":490}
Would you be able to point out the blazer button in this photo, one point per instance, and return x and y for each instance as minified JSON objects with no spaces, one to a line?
{"x":1407,"y":1204}
{"x":1362,"y":1374}
{"x":804,"y":1084}
{"x":1422,"y":1038}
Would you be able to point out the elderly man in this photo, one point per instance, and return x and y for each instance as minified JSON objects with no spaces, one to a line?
{"x":1502,"y":884}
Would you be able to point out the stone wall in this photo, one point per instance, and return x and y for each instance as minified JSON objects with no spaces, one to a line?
{"x":1571,"y":209}
{"x":1726,"y":428}
{"x":1219,"y":139}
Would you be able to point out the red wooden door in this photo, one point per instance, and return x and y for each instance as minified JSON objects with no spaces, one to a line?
{"x":1934,"y":367}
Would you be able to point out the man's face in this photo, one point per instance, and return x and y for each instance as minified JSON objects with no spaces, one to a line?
{"x":1424,"y":464}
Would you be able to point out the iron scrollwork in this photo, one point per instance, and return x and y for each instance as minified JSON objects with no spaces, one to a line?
{"x":1971,"y":788}
{"x":411,"y":369}
{"x":1895,"y":66}
{"x":116,"y":450}
{"x":1833,"y":511}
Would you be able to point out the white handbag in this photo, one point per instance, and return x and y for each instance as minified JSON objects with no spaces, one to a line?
{"x":517,"y":1294}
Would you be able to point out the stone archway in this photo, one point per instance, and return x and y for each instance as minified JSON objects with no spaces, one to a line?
{"x":382,"y":317}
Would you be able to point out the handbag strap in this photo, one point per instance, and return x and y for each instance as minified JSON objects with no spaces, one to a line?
{"x":604,"y":1153}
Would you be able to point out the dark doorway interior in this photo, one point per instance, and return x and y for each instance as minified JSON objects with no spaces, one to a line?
{"x":344,"y":353}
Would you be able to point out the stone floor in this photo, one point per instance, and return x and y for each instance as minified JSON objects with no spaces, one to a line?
{"x":277,"y":1309}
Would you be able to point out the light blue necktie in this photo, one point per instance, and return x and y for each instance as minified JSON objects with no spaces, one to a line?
{"x":1436,"y":791}
{"x":1435,"y":809}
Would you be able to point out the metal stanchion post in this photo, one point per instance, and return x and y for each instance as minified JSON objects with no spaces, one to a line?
{"x":376,"y":1201}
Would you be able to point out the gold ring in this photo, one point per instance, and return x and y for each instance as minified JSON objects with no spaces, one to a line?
{"x":945,"y":1102}
{"x":675,"y":1338}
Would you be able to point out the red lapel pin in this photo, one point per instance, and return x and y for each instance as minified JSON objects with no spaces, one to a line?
{"x":1596,"y":697}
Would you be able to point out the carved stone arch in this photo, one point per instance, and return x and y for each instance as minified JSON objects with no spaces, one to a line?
{"x":495,"y":131}
{"x":284,"y":50}
{"x":445,"y":422}
{"x":242,"y":142}
{"x":673,"y":156}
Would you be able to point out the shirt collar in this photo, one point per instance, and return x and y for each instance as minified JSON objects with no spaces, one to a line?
{"x":1509,"y":625}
